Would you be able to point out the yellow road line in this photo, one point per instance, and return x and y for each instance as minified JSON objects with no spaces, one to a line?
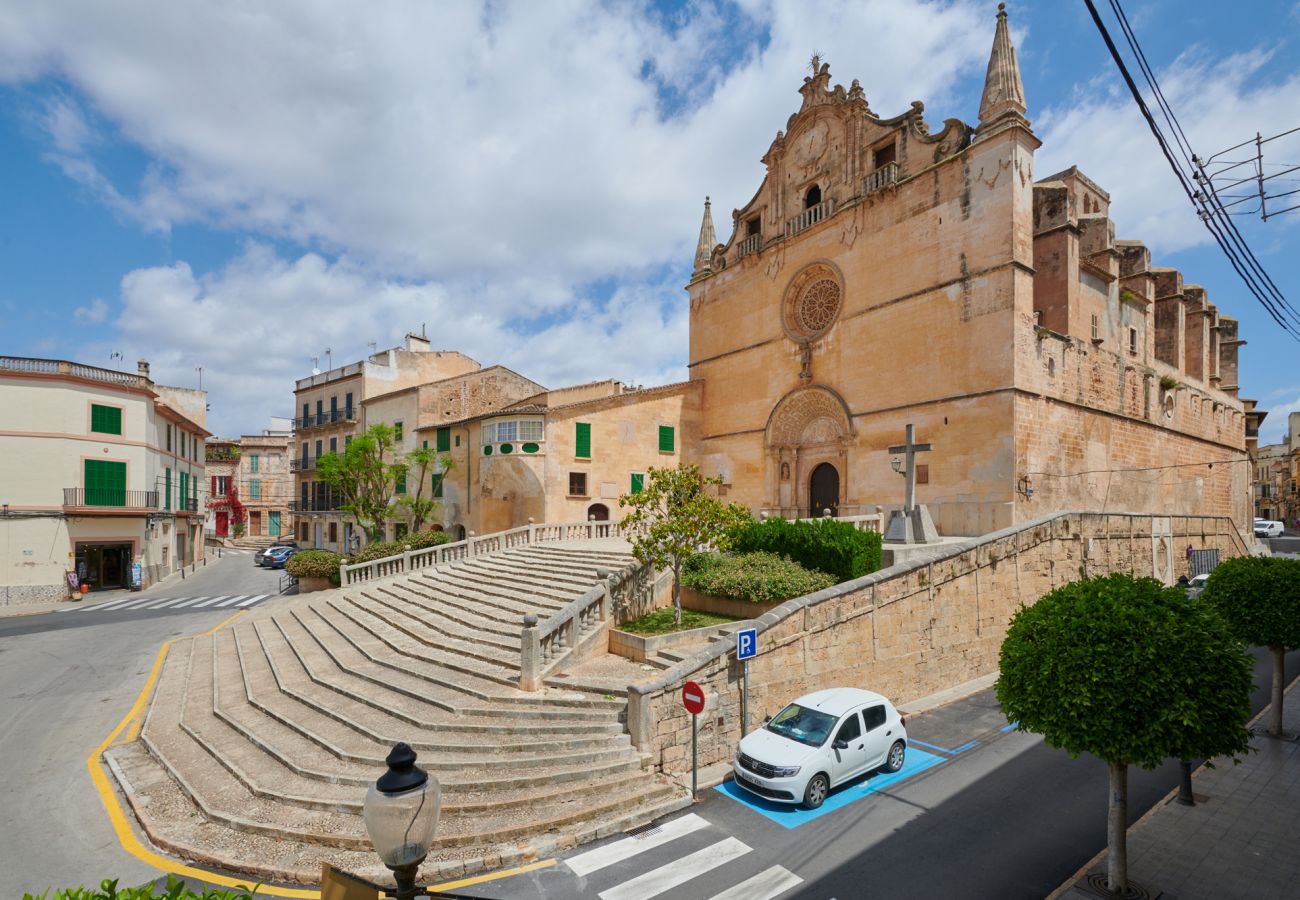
{"x":131,"y":844}
{"x":492,"y":876}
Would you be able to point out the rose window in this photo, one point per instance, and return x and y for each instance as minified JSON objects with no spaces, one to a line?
{"x":818,"y":307}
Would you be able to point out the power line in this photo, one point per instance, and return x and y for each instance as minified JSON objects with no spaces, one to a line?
{"x":1209,"y":208}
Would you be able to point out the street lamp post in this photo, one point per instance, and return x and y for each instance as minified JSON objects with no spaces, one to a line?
{"x":401,"y":814}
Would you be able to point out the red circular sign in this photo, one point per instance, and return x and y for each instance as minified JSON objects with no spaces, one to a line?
{"x":693,"y":698}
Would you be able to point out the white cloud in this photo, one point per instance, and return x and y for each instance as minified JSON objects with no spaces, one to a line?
{"x":93,"y":314}
{"x":1218,"y":101}
{"x":1274,"y":428}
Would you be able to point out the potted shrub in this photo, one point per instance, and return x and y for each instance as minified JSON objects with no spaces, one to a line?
{"x":315,"y":570}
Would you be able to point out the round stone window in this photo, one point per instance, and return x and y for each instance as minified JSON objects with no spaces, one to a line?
{"x":813,"y":302}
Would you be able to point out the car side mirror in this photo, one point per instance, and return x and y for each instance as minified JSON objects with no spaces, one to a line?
{"x":841,"y":745}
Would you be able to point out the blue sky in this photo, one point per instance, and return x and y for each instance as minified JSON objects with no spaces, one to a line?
{"x":240,"y":186}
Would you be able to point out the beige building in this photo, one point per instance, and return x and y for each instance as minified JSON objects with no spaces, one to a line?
{"x":266,"y":484}
{"x":885,"y":274}
{"x":1277,"y":472}
{"x":563,"y":455}
{"x":223,"y":507}
{"x":103,"y":473}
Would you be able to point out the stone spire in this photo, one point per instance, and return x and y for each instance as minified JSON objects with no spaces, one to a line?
{"x":708,"y":240}
{"x":1003,"y":101}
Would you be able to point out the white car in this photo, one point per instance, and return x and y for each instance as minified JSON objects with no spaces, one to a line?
{"x":819,"y":742}
{"x":1268,"y":529}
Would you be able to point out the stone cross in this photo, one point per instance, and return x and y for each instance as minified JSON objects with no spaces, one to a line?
{"x":910,"y":449}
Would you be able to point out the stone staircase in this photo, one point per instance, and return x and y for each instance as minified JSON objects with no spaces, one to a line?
{"x":262,"y":737}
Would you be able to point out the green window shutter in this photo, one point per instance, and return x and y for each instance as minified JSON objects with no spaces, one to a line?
{"x":400,"y":487}
{"x":167,"y":490}
{"x":105,"y":483}
{"x":437,"y":483}
{"x":638,"y":482}
{"x":255,"y":490}
{"x":182,"y":494}
{"x":444,"y":439}
{"x":105,"y":419}
{"x":666,"y":444}
{"x":253,"y":461}
{"x":397,"y":431}
{"x":582,"y":440}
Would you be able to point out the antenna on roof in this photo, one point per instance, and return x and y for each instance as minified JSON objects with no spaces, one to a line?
{"x":422,"y":334}
{"x":315,"y":365}
{"x":373,"y":345}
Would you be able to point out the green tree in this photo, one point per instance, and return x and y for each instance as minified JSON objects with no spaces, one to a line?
{"x":1259,"y":597}
{"x":421,"y":504}
{"x":365,"y":475}
{"x":1132,"y":672}
{"x":673,"y":516}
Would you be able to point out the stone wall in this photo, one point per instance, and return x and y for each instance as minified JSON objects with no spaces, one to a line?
{"x":910,"y":630}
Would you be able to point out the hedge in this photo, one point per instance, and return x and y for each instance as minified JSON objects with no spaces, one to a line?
{"x":314,"y":564}
{"x":836,"y":548}
{"x":418,"y":540}
{"x":175,"y":890}
{"x":756,"y":577}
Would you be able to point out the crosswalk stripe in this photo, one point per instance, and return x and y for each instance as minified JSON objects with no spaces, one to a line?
{"x":230,"y":601}
{"x":138,"y":604}
{"x":251,"y":600}
{"x":667,"y":877}
{"x":113,"y":604}
{"x":208,"y":602}
{"x":168,"y":602}
{"x":765,"y":885}
{"x":188,"y":602}
{"x":592,"y":860}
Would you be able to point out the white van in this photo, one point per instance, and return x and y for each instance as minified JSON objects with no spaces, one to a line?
{"x":1267,"y":528}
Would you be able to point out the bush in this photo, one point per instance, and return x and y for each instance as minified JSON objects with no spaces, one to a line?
{"x":416,"y":541}
{"x":836,"y":548}
{"x":756,"y":577}
{"x":175,"y":890}
{"x":422,"y":539}
{"x":314,"y":564}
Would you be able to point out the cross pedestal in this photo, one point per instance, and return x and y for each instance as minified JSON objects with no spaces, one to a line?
{"x":911,"y":524}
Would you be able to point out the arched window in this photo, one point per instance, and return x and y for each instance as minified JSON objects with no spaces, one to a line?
{"x":598,"y":512}
{"x":813,"y":197}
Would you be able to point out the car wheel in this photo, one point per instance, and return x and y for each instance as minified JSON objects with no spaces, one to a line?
{"x":894,"y":761}
{"x":814,"y":795}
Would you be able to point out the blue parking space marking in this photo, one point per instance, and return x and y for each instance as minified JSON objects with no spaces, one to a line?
{"x":791,"y":816}
{"x":966,"y":746}
{"x":1007,"y":728}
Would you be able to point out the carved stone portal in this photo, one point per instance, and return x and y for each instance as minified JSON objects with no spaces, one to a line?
{"x":808,"y":416}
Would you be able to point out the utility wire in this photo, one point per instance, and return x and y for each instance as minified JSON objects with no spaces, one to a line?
{"x":1215,"y":217}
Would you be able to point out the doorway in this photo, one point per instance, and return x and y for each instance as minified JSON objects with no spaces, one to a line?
{"x":104,"y":566}
{"x":824,"y":491}
{"x":223,"y":524}
{"x":598,"y":512}
{"x":255,"y":523}
{"x":273,"y":523}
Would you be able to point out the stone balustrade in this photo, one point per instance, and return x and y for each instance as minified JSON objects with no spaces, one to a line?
{"x":810,"y":216}
{"x":880,"y":179}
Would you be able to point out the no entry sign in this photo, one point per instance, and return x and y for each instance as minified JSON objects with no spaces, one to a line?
{"x":693,"y":698}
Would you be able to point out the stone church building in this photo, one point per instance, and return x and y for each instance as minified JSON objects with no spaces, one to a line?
{"x":887,"y":273}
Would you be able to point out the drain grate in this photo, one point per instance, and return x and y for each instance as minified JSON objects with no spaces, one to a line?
{"x":644,"y":831}
{"x":1096,"y":882}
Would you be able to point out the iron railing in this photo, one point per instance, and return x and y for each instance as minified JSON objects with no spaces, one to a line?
{"x":321,"y":419}
{"x":115,"y":498}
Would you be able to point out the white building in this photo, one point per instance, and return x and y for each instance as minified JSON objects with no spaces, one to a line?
{"x":101,"y":472}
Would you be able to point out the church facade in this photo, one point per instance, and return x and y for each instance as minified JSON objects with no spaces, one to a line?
{"x":886,"y":273}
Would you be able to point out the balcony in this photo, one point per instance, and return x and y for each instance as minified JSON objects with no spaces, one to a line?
{"x":303,"y":463}
{"x":809,"y":217}
{"x":321,"y":420}
{"x":28,"y":366}
{"x":749,"y":245}
{"x":109,"y":498}
{"x":320,"y":504}
{"x":880,"y":179}
{"x":187,"y":505}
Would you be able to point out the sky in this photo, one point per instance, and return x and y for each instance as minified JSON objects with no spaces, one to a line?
{"x":253,"y":188}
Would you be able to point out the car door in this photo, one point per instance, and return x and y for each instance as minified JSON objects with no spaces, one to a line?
{"x":878,"y":735}
{"x":848,"y":749}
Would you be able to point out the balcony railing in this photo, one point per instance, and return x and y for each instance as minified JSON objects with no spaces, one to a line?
{"x":28,"y":365}
{"x":187,"y":504}
{"x":320,"y":420}
{"x":303,"y":463}
{"x":112,"y":498}
{"x":881,"y":178}
{"x":810,"y":216}
{"x":751,"y":244}
{"x":317,"y":505}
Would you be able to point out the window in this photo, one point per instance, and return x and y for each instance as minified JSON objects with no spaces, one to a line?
{"x":255,"y":461}
{"x":457,"y":440}
{"x":813,"y":197}
{"x":167,"y":488}
{"x":874,"y":717}
{"x":334,"y":408}
{"x":319,"y":445}
{"x":851,"y":729}
{"x":437,"y":483}
{"x":399,"y":482}
{"x":753,"y":226}
{"x":220,"y":485}
{"x":169,"y":439}
{"x":334,"y":445}
{"x":184,"y":493}
{"x":577,"y":484}
{"x":304,"y":453}
{"x":302,"y":531}
{"x":582,"y":440}
{"x":666,"y":444}
{"x":638,"y":482}
{"x":334,"y":532}
{"x":105,"y":483}
{"x":1133,"y":341}
{"x":1096,"y":328}
{"x":255,"y":490}
{"x":397,"y":432}
{"x":443,"y":439}
{"x":320,"y":411}
{"x":347,"y":442}
{"x":347,"y":406}
{"x":182,"y":448}
{"x":922,"y":473}
{"x":306,"y":413}
{"x":883,"y":156}
{"x":306,"y":494}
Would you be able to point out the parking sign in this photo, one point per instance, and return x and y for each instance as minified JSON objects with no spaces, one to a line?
{"x":746,"y":643}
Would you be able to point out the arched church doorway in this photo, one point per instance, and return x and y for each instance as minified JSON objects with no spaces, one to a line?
{"x":598,"y":512}
{"x":824,"y":490}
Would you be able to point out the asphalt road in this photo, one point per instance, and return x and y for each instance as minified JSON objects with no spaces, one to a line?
{"x":66,"y":680}
{"x":1008,"y":817}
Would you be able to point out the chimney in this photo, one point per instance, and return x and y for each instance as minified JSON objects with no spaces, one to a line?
{"x":142,"y":366}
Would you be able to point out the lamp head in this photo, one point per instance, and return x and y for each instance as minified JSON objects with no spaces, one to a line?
{"x":896,"y":464}
{"x":401,"y":810}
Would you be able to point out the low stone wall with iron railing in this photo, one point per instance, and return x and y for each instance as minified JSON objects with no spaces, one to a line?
{"x":472,"y":546}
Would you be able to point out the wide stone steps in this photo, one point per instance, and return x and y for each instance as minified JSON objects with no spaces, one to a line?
{"x":262,"y":738}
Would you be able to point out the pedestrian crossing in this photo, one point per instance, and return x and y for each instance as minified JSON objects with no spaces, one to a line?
{"x":673,"y":877}
{"x":232,"y":601}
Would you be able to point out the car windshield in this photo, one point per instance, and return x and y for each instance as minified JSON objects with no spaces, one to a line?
{"x":798,"y":723}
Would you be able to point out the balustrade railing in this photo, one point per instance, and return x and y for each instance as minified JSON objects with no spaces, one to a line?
{"x":810,"y":216}
{"x":28,"y":365}
{"x":751,"y":244}
{"x":867,"y":521}
{"x":881,"y":178}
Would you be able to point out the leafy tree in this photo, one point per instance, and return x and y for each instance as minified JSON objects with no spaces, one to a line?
{"x":365,"y":475}
{"x":420,"y":462}
{"x":673,"y":517}
{"x":1259,"y":597}
{"x":1132,"y":672}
